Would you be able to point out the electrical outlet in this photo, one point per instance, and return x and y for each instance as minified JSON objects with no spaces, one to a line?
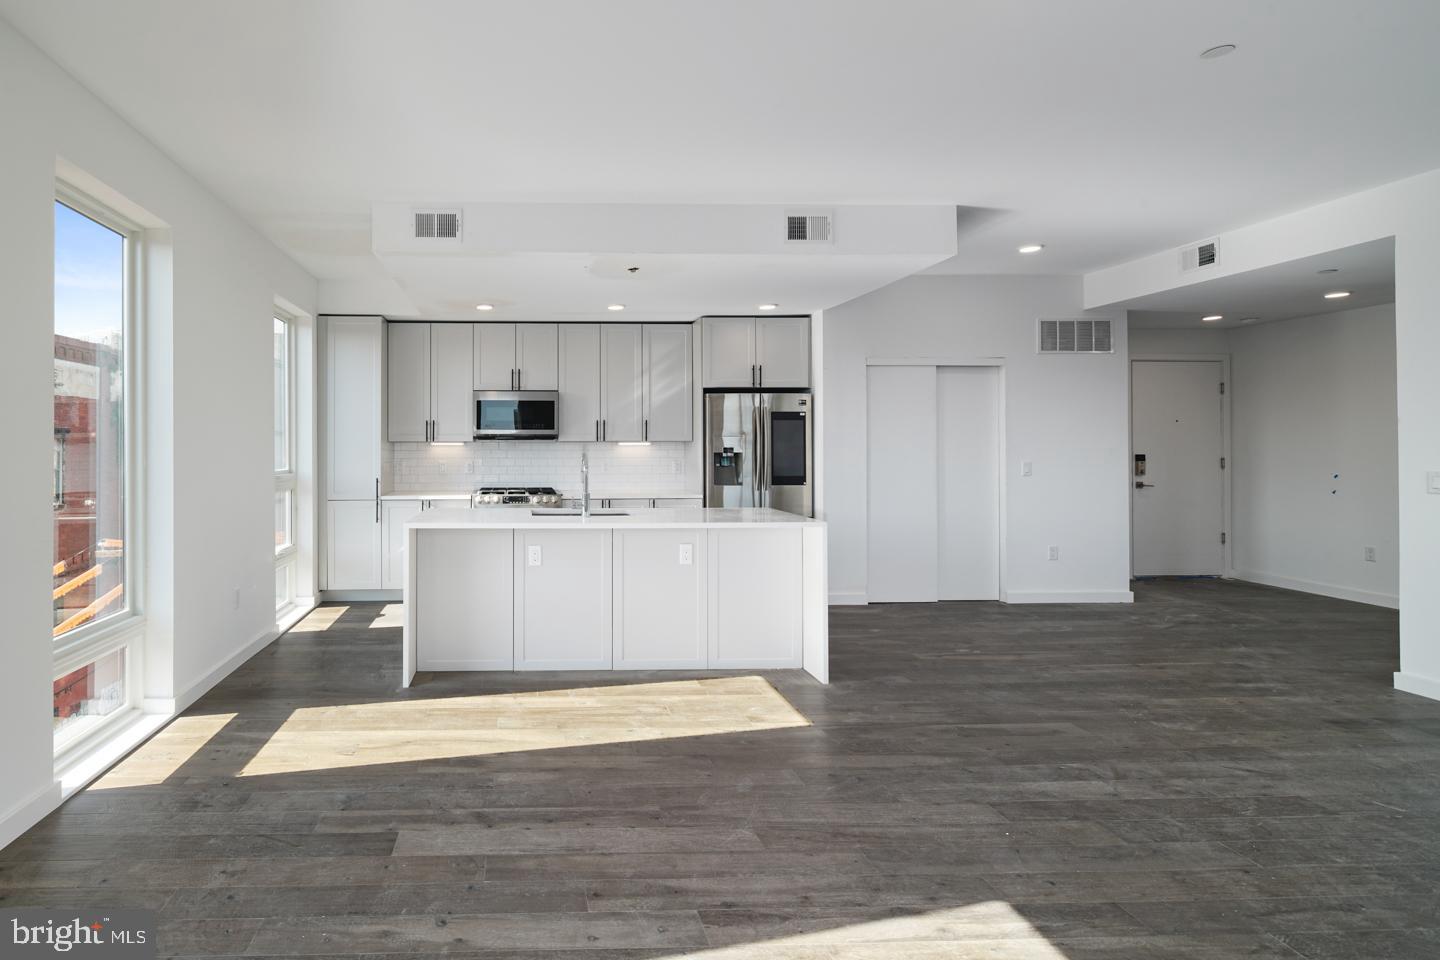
{"x":687,"y":554}
{"x":470,"y":466}
{"x":532,"y":555}
{"x":1054,"y":553}
{"x":1027,"y":469}
{"x":1432,"y":481}
{"x":1369,"y":554}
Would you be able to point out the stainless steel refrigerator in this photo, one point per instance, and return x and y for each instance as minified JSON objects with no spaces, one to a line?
{"x":758,"y":450}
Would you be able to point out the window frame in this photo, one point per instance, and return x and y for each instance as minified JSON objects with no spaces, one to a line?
{"x":125,"y":628}
{"x":287,"y":480}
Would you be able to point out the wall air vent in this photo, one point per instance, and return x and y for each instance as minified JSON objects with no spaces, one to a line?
{"x":809,"y":227}
{"x":437,"y":225}
{"x":1197,"y":256}
{"x":1075,"y":336}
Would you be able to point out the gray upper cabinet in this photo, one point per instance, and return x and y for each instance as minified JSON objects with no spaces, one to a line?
{"x":667,"y":384}
{"x":516,"y":356}
{"x":622,"y":415}
{"x":728,"y":349}
{"x":537,"y":356}
{"x":579,"y":381}
{"x":408,"y":386}
{"x":428,"y":382}
{"x":452,"y":413}
{"x":782,"y":351}
{"x":494,"y":356}
{"x":771,"y":352}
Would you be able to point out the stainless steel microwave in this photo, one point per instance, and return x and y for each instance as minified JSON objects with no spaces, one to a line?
{"x":517,"y":414}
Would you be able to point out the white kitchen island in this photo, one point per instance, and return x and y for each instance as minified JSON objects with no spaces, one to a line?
{"x":502,"y":588}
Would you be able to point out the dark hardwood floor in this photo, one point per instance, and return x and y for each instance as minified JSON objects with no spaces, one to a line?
{"x":1220,"y":770}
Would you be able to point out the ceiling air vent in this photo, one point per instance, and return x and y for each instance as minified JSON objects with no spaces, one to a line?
{"x":1075,"y":336}
{"x":437,"y":224}
{"x":1199,"y":255}
{"x":808,"y":228}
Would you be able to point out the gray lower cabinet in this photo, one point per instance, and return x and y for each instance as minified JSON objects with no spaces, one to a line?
{"x":562,"y":600}
{"x":353,"y":539}
{"x":659,"y":589}
{"x":464,"y":587}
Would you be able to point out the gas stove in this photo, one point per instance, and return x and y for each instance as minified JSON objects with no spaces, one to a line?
{"x":530,"y":496}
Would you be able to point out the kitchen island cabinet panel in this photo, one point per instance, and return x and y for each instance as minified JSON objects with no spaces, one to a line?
{"x":562,"y":599}
{"x":463,"y":588}
{"x":755,"y":598}
{"x":659,"y":599}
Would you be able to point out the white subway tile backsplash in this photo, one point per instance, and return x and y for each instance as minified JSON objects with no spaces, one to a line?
{"x":657,"y":470}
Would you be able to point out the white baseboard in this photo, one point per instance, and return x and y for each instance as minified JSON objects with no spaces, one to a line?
{"x":28,"y":812}
{"x":1323,"y":589}
{"x":219,"y":672}
{"x":1068,"y":596}
{"x":848,"y":598}
{"x":1418,"y":685}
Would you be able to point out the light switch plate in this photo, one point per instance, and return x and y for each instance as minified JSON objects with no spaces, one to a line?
{"x":532,"y":555}
{"x":1432,"y":481}
{"x":687,"y":554}
{"x":1026,"y":468}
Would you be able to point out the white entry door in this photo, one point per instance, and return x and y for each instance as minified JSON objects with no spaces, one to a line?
{"x":1177,"y":440}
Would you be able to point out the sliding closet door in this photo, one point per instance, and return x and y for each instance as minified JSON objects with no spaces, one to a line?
{"x":968,"y":462}
{"x":901,"y":484}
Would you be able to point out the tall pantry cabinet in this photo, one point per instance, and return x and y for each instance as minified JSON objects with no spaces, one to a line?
{"x":351,"y":421}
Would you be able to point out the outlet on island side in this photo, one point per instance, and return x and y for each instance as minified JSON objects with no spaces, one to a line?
{"x":1053,"y":553}
{"x":1369,"y":554}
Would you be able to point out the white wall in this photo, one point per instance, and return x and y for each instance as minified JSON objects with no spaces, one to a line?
{"x":1068,"y":415}
{"x":1309,"y":398}
{"x":1315,"y":397}
{"x":1409,"y":211}
{"x":214,"y":281}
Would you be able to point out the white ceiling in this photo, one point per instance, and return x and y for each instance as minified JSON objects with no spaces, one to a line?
{"x":1091,"y":127}
{"x":1282,"y":291}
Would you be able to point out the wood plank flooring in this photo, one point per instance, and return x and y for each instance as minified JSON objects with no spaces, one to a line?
{"x":1220,"y":770}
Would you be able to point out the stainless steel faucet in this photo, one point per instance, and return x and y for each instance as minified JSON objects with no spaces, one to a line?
{"x":584,"y":484}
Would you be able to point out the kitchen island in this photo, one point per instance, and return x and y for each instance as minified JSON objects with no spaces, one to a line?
{"x":690,"y":588}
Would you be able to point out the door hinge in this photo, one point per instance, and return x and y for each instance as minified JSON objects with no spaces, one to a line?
{"x":1222,"y":463}
{"x":1222,"y":387}
{"x":1222,"y":538}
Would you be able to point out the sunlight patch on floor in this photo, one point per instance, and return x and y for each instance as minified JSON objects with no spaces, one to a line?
{"x":990,"y":930}
{"x":391,"y":615}
{"x":407,"y":731}
{"x":320,"y":619}
{"x":165,"y":753}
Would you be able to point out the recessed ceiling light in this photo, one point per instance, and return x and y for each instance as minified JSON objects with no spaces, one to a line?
{"x":1337,"y":294}
{"x":1031,"y":248}
{"x":484,"y":306}
{"x":768,"y":306}
{"x":1213,"y":317}
{"x":1216,"y":52}
{"x":616,"y":306}
{"x":1328,"y":270}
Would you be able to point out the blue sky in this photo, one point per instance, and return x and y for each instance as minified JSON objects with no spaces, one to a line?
{"x":89,"y":274}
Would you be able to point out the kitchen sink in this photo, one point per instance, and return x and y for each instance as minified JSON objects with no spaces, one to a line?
{"x":574,"y":512}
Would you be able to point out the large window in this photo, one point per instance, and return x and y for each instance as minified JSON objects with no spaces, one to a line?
{"x":284,"y":379}
{"x":93,"y":559}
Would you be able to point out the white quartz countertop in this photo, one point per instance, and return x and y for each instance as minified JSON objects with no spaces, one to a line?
{"x":597,"y":494}
{"x":457,"y":518}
